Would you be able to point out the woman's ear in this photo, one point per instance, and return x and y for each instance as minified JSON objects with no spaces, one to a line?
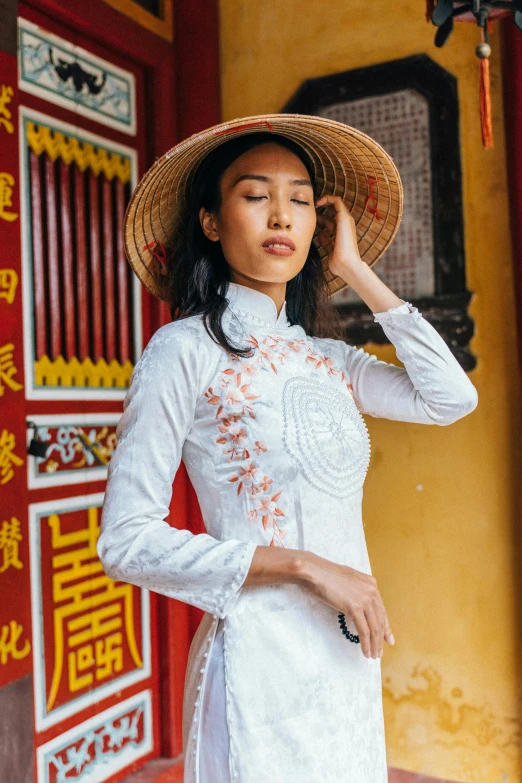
{"x":208,"y":225}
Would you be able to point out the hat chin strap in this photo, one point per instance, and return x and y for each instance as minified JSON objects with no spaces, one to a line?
{"x":161,"y":256}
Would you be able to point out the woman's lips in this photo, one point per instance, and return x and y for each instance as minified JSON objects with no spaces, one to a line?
{"x":278,"y":250}
{"x":279,"y":245}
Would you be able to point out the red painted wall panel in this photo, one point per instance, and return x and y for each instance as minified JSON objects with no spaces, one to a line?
{"x":180,"y":84}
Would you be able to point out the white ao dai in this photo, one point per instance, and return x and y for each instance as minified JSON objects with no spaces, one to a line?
{"x":277,"y":451}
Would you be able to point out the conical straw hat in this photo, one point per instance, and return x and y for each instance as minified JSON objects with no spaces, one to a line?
{"x":347,"y":163}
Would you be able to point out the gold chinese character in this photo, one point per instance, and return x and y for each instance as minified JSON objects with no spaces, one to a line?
{"x":93,"y":615}
{"x":8,"y":284}
{"x":8,"y":369}
{"x":10,"y":536}
{"x":9,"y":636}
{"x":106,"y":656}
{"x":7,"y":457}
{"x":7,"y":182}
{"x":6,"y":93}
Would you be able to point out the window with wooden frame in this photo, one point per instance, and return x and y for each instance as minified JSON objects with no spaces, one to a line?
{"x":409,"y":106}
{"x":154,"y":15}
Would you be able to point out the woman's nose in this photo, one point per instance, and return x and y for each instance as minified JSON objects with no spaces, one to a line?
{"x":279,"y":219}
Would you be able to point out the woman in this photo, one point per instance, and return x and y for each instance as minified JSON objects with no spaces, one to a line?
{"x":266,"y":415}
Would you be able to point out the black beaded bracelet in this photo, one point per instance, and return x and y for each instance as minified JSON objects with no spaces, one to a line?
{"x":351,"y":636}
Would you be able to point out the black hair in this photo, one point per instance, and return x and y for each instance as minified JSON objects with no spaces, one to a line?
{"x":197,"y":273}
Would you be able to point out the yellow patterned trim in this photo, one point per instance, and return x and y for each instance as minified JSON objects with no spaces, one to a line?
{"x":82,"y":375}
{"x":72,"y":150}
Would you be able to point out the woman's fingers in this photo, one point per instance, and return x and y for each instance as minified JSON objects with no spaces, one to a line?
{"x":363,"y":630}
{"x":368,"y":620}
{"x":337,"y":206}
{"x":376,"y":619}
{"x":336,"y":201}
{"x":344,"y":251}
{"x":385,"y":623}
{"x":376,"y":631}
{"x":388,"y":635}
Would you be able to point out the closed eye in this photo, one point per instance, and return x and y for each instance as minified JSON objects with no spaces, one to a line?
{"x":258,"y":198}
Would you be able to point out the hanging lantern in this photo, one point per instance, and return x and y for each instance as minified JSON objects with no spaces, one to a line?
{"x":443,"y":14}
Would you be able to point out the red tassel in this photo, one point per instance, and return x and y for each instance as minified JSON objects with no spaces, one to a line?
{"x":485,"y":102}
{"x":430,"y":7}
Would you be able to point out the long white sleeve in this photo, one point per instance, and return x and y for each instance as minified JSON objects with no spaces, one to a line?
{"x":432,"y":388}
{"x":136,"y":544}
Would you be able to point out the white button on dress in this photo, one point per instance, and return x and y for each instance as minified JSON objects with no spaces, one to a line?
{"x":277,"y":450}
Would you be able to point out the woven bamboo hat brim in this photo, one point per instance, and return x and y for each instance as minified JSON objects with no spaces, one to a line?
{"x":347,"y":163}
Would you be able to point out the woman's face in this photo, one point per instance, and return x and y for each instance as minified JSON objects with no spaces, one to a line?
{"x":266,"y":196}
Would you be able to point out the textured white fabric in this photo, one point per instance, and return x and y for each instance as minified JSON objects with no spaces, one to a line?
{"x":213,"y":756}
{"x":277,"y":450}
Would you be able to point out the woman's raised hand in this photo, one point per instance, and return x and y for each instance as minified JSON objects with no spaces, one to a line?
{"x":356,"y":595}
{"x":343,"y":251}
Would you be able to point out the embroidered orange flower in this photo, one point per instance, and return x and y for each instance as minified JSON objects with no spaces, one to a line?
{"x":265,"y":483}
{"x":250,"y":369}
{"x":235,"y":400}
{"x":268,"y":511}
{"x":237,"y":434}
{"x":246,"y":477}
{"x":296,"y":345}
{"x":260,"y":446}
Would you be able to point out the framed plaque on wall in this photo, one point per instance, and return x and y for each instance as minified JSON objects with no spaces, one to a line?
{"x":410,"y":107}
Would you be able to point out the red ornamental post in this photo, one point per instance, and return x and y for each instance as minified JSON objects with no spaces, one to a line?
{"x":15,"y":609}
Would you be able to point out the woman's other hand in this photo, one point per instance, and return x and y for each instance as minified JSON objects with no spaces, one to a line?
{"x":355,"y":594}
{"x":349,"y":591}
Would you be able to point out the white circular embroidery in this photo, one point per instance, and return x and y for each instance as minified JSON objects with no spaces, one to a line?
{"x":325,"y":433}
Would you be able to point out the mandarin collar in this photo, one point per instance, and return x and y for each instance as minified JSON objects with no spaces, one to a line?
{"x":250,"y":303}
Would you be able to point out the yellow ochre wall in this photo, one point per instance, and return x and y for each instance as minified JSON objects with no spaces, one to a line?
{"x":440,"y":508}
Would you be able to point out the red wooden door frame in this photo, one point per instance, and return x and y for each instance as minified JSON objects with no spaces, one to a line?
{"x":182,"y":97}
